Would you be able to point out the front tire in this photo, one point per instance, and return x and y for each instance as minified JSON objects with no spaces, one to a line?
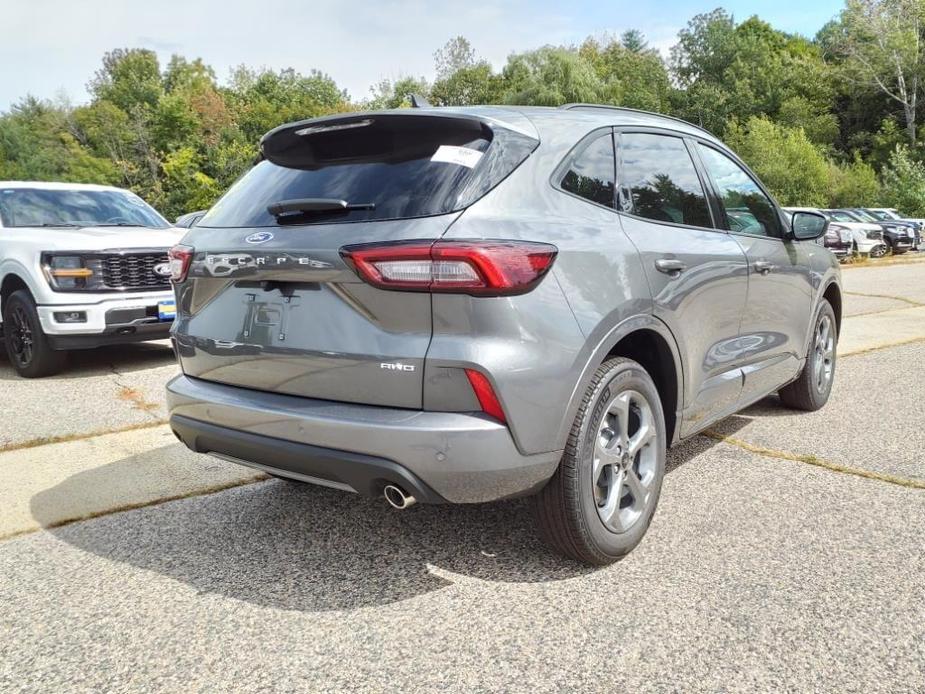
{"x":26,"y":344}
{"x":599,"y":503}
{"x":811,"y":390}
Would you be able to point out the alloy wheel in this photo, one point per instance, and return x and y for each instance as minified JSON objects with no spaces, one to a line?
{"x":824,"y":354}
{"x":624,"y":461}
{"x":21,"y":340}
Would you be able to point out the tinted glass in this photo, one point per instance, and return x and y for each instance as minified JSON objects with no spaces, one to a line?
{"x":748,"y":209}
{"x":591,"y":174}
{"x":403,"y":166}
{"x":27,"y":207}
{"x":659,"y":181}
{"x":840,"y":216}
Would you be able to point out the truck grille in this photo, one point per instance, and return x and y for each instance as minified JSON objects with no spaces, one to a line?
{"x":133,"y":271}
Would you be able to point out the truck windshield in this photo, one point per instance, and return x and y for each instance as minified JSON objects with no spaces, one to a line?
{"x":38,"y":207}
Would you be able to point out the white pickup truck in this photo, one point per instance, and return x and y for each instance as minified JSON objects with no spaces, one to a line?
{"x":80,"y":266}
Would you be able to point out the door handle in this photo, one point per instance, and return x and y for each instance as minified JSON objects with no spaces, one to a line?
{"x":670,"y":266}
{"x":763,"y":266}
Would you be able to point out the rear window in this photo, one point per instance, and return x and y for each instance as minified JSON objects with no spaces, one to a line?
{"x":396,"y":166}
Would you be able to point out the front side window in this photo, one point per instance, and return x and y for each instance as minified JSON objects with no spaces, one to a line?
{"x":79,"y":207}
{"x":659,"y":181}
{"x":748,"y":209}
{"x":591,"y":173}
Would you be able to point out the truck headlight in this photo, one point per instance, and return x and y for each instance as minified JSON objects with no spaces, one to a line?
{"x":72,"y":272}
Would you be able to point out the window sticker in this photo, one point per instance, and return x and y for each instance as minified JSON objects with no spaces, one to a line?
{"x":463,"y":156}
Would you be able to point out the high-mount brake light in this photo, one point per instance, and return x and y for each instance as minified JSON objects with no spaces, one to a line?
{"x":180,"y":258}
{"x":479,"y":268}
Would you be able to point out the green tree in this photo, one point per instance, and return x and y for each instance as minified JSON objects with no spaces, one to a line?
{"x":550,"y":76}
{"x":129,"y":78}
{"x":785,"y":159}
{"x":854,"y":184}
{"x":397,"y":94}
{"x":456,"y":54}
{"x":881,"y":44}
{"x":904,"y":183}
{"x":731,"y":71}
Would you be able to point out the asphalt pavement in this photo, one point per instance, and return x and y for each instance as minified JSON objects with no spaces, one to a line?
{"x":788,"y":553}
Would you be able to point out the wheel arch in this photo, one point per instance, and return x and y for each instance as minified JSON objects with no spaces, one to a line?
{"x":832,"y":294}
{"x":10,"y":283}
{"x":647,"y":340}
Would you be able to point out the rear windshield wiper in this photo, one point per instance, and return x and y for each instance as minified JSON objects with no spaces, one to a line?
{"x":304,"y":206}
{"x":60,"y":224}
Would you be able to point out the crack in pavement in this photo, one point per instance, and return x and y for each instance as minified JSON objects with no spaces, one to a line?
{"x":815,"y":461}
{"x":205,"y":491}
{"x":65,"y":438}
{"x":904,"y":300}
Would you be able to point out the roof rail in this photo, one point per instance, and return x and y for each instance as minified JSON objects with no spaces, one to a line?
{"x":576,"y":106}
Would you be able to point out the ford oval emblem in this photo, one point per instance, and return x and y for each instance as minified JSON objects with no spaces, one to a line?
{"x":259,"y":237}
{"x":162,"y":269}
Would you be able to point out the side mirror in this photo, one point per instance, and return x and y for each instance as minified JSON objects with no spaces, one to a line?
{"x":806,"y":226}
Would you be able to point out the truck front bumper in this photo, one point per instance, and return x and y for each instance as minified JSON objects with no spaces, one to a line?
{"x":107,"y":319}
{"x":435,"y":456}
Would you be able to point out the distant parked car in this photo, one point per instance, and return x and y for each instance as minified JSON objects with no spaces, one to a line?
{"x":189,"y":219}
{"x":890,"y":214}
{"x":867,"y":238}
{"x":898,"y":236}
{"x":80,"y":266}
{"x":840,"y":240}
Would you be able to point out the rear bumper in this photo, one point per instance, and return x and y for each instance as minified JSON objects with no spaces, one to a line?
{"x":436,"y":456}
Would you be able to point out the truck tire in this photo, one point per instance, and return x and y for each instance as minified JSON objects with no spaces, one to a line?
{"x":26,"y":344}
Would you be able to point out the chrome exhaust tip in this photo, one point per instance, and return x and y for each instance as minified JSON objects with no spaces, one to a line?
{"x":397,"y":497}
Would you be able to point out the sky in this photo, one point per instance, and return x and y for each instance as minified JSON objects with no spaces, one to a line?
{"x":51,"y":48}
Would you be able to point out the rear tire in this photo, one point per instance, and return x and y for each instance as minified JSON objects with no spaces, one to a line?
{"x":811,"y":390}
{"x":26,"y":344}
{"x":599,"y":503}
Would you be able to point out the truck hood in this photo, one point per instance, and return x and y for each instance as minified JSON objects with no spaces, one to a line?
{"x":95,"y":238}
{"x":859,"y":226}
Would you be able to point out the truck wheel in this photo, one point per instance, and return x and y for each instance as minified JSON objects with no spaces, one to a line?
{"x":26,"y":344}
{"x":598,"y":504}
{"x":811,"y":390}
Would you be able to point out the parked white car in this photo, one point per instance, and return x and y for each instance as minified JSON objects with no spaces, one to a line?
{"x":868,"y":238}
{"x":80,"y":266}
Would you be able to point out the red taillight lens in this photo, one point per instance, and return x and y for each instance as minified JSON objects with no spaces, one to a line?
{"x":481,"y":268}
{"x":180,"y":258}
{"x":486,"y":394}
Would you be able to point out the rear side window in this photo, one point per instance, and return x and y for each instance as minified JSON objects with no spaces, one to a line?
{"x":389,"y":166}
{"x":748,"y":209}
{"x":659,"y":181}
{"x":591,"y":173}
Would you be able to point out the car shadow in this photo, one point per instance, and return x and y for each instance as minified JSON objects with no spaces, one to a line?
{"x":307,"y":548}
{"x":83,"y":363}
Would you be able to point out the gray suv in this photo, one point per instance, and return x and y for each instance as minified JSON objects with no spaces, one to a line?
{"x":464,"y":305}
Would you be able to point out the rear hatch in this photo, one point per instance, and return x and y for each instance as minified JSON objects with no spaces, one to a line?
{"x":269,"y":303}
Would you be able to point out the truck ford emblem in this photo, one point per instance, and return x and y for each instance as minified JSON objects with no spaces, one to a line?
{"x":259,"y":237}
{"x":162,"y":269}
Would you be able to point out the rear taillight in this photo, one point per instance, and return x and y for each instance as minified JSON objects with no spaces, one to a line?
{"x":481,"y":268}
{"x":488,"y":401}
{"x":180,"y":257}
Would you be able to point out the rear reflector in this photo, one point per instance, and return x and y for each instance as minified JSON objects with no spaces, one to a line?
{"x":485,"y":394}
{"x":180,"y":257}
{"x":480,"y":268}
